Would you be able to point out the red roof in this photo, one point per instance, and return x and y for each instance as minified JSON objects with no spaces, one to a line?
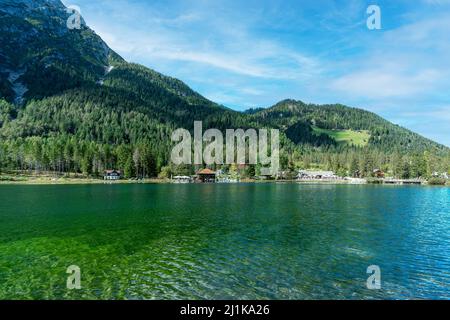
{"x":206,"y":171}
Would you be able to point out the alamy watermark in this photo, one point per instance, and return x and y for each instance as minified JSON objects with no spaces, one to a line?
{"x":236,"y":142}
{"x":74,"y":20}
{"x":374,"y":280}
{"x":74,"y":279}
{"x":374,"y":20}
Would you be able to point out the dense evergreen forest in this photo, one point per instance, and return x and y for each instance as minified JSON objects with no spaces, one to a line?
{"x":86,"y":110}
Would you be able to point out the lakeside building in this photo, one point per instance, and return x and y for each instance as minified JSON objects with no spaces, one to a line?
{"x":206,"y":176}
{"x":443,"y":175}
{"x":317,"y":175}
{"x":378,"y":173}
{"x":112,"y":175}
{"x":182,"y":179}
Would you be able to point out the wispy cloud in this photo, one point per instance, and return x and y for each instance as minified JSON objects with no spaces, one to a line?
{"x":265,"y":59}
{"x":386,"y":83}
{"x":400,"y":63}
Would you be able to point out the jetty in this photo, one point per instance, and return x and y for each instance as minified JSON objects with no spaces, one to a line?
{"x":403,"y":181}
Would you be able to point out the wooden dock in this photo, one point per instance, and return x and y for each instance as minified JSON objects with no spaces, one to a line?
{"x":403,"y":181}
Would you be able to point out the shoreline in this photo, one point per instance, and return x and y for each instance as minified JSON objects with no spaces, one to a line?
{"x":45,"y":180}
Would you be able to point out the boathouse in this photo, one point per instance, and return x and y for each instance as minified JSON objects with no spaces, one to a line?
{"x":316,"y":175}
{"x":112,"y":175}
{"x":206,"y":176}
{"x":378,"y":173}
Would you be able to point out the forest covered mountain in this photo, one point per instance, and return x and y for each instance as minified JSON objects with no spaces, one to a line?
{"x":69,"y":103}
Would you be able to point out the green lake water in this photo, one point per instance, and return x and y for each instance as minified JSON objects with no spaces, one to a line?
{"x":235,"y":241}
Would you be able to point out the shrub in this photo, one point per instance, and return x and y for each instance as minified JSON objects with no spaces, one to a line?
{"x":437,"y":181}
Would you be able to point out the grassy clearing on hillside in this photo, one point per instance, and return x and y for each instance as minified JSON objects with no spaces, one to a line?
{"x":347,"y":137}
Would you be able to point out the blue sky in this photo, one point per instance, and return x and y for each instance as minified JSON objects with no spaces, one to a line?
{"x":255,"y":53}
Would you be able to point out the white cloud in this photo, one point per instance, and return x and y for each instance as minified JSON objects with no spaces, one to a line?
{"x":411,"y":61}
{"x":204,"y":39}
{"x":441,"y":114}
{"x":377,"y":84}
